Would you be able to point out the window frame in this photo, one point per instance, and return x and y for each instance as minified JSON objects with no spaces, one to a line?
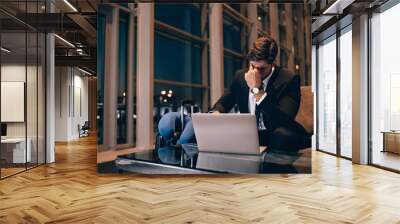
{"x":338,"y":33}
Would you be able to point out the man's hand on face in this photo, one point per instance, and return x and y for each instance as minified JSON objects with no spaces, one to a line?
{"x":253,"y":78}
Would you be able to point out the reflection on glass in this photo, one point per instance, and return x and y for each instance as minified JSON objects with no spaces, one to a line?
{"x":385,"y":84}
{"x":122,"y":77}
{"x":15,"y":149}
{"x":101,"y":28}
{"x":126,"y":93}
{"x":177,"y":60}
{"x":168,"y":98}
{"x":22,"y":91}
{"x":327,"y":96}
{"x":346,"y":94}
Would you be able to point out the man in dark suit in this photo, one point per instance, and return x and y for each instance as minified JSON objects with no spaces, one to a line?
{"x":271,"y":93}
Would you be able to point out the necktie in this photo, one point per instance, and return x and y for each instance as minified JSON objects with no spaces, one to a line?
{"x":259,"y":116}
{"x":260,"y":119}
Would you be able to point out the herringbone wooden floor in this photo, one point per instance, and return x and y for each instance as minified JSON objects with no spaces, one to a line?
{"x":70,"y":191}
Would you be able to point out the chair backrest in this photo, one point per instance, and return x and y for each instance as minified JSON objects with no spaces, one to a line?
{"x":86,"y":125}
{"x":305,"y":116}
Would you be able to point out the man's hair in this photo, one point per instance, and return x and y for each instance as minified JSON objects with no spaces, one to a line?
{"x":264,"y":48}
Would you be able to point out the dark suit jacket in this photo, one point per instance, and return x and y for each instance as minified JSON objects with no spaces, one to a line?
{"x":279,"y":107}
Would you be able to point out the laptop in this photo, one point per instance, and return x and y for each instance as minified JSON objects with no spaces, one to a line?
{"x":227,"y":133}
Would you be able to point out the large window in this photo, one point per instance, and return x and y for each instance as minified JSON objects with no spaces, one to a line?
{"x":334,"y":94}
{"x":178,"y":57}
{"x":326,"y":95}
{"x":122,"y":77}
{"x":232,"y":64}
{"x":22,"y":77}
{"x":284,"y":58}
{"x":188,"y":18}
{"x":345,"y":41}
{"x":125,"y":76}
{"x":385,"y":88}
{"x":264,"y":18}
{"x":235,"y":46}
{"x":101,"y":36}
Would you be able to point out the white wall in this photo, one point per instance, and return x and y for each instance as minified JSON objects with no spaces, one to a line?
{"x":79,"y":117}
{"x":61,"y":103}
{"x":71,"y":102}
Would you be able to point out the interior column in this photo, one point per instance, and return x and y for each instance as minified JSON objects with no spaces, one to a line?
{"x":145,"y":75}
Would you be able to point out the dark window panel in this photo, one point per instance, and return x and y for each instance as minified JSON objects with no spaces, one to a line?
{"x":182,"y":16}
{"x":231,"y":66}
{"x":232,"y":33}
{"x":176,"y":59}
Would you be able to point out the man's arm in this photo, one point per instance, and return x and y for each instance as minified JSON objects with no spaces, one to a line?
{"x":284,"y":111}
{"x":227,"y":101}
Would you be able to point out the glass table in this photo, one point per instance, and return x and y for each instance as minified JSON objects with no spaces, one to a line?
{"x":188,"y":160}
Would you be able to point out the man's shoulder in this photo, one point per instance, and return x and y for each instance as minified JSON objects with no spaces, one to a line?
{"x":285,"y":75}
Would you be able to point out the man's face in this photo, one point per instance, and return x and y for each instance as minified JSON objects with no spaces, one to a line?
{"x":262,"y":66}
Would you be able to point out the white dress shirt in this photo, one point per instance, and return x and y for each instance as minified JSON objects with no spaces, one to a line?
{"x":252,"y":98}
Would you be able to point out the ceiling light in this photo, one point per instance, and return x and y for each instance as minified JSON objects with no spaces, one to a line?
{"x":337,"y":7}
{"x":5,"y":50}
{"x":331,"y":7}
{"x":84,"y":71}
{"x":70,"y":5}
{"x":64,"y":40}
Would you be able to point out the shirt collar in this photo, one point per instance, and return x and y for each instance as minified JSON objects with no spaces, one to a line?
{"x":266,"y":80}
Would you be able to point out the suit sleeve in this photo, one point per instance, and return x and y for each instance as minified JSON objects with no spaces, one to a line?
{"x":227,"y":101}
{"x":282,"y":111}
